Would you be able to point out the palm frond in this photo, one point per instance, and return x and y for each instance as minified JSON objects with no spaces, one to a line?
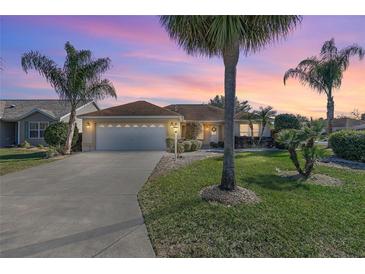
{"x":210,"y":35}
{"x":100,"y":89}
{"x":329,"y":49}
{"x":45,"y":67}
{"x":306,"y":78}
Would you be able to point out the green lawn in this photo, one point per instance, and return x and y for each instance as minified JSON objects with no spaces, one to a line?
{"x":292,"y":220}
{"x":14,"y":159}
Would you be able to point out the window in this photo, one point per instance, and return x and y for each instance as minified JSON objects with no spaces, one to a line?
{"x":246,"y":131}
{"x":37,"y":129}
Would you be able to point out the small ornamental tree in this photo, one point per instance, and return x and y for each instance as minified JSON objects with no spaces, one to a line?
{"x":304,"y":139}
{"x":286,"y":121}
{"x":56,"y":134}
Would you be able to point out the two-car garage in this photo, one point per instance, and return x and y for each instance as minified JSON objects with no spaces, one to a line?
{"x":138,"y":125}
{"x":118,"y":136}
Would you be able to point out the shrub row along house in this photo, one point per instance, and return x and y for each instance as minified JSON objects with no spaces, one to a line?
{"x":141,"y":125}
{"x":26,"y":120}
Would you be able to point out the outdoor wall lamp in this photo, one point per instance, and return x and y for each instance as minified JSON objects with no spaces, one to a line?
{"x":88,"y":125}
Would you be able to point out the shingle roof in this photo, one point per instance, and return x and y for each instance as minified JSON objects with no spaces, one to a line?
{"x":198,"y":112}
{"x":12,"y":110}
{"x":138,"y":108}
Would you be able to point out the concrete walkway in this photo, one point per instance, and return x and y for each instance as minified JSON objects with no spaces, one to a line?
{"x":82,"y":206}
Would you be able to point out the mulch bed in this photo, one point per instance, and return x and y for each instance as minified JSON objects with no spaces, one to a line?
{"x":238,"y":196}
{"x":316,"y":179}
{"x":334,"y":161}
{"x":167,"y":163}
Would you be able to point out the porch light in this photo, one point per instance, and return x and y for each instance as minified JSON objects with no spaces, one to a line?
{"x":88,"y":125}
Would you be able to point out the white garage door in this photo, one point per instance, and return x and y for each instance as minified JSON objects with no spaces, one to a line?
{"x":130,"y":136}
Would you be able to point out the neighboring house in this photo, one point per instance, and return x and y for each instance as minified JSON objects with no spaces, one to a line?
{"x":26,"y":120}
{"x":347,"y":123}
{"x":144,"y":126}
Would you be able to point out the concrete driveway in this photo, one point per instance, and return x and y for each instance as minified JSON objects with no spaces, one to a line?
{"x":82,"y":206}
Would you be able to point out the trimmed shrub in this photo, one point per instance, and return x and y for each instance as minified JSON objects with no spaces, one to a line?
{"x":56,"y":134}
{"x":187,"y":146}
{"x":199,"y":144}
{"x":180,"y":148}
{"x":170,"y":144}
{"x":78,"y":146}
{"x":286,"y":121}
{"x":348,"y":144}
{"x":221,"y":144}
{"x":25,"y":144}
{"x":196,"y":145}
{"x":53,"y":151}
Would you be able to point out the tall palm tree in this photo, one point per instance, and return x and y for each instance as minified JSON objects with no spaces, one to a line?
{"x":265,"y":115}
{"x":325,"y":73}
{"x":226,"y":37}
{"x":78,"y":80}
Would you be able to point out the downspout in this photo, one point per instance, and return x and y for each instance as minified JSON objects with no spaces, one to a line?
{"x":18,"y":137}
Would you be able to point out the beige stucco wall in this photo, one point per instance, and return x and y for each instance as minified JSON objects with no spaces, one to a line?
{"x":89,"y":132}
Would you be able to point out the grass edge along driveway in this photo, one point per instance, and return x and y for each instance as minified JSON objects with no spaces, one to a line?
{"x":293,"y":219}
{"x":15,"y":159}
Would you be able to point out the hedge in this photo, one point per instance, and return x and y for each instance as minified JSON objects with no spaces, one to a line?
{"x":183,"y":146}
{"x":286,"y":121}
{"x":348,"y":144}
{"x":56,"y":134}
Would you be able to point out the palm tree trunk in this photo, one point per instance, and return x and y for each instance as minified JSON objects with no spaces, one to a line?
{"x":70,"y":131}
{"x":294,"y":157}
{"x":330,"y":113}
{"x":261,"y":132}
{"x":252,"y":138}
{"x":230,"y":58}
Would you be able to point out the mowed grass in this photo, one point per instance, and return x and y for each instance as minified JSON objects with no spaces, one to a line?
{"x":15,"y":159}
{"x":293,"y":219}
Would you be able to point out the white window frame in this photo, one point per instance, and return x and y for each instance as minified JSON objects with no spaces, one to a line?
{"x":38,"y":128}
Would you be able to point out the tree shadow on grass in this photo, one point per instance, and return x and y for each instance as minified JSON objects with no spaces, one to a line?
{"x":185,"y":205}
{"x":25,"y":156}
{"x":274,"y":182}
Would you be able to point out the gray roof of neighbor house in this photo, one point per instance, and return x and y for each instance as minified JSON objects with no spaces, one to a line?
{"x":138,"y":108}
{"x":13,"y":110}
{"x":198,"y":112}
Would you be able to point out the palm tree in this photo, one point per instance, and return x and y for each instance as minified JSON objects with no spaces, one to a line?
{"x":325,"y":73}
{"x":77,"y":81}
{"x":227,"y":36}
{"x":265,"y":115}
{"x":219,"y":100}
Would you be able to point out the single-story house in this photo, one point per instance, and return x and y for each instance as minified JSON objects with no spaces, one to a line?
{"x":26,"y":120}
{"x":347,"y":123}
{"x":141,"y":125}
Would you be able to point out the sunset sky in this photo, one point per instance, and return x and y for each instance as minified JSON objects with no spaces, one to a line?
{"x":147,"y":65}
